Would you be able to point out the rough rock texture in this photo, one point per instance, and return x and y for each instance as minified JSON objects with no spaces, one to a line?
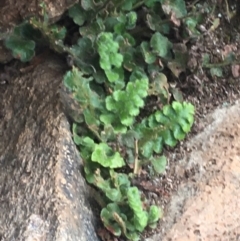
{"x":12,"y":12}
{"x":5,"y":54}
{"x":43,"y":196}
{"x":206,"y":207}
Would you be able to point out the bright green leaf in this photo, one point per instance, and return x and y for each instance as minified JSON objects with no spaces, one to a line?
{"x":159,"y":164}
{"x":140,"y":216}
{"x":131,"y":18}
{"x":105,"y":156}
{"x":154,"y":214}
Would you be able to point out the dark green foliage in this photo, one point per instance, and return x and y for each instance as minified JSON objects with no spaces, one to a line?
{"x":119,"y":58}
{"x":120,"y":62}
{"x":22,"y":46}
{"x":23,"y":39}
{"x":129,"y":218}
{"x":77,"y":14}
{"x":160,"y":45}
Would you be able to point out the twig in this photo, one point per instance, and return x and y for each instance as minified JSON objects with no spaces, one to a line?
{"x":136,"y":161}
{"x":222,"y":64}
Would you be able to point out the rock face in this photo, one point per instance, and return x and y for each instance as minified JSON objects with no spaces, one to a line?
{"x":43,"y":196}
{"x":13,"y":12}
{"x":5,"y":54}
{"x":206,"y":207}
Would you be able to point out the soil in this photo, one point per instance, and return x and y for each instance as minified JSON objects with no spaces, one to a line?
{"x":185,"y":187}
{"x":205,"y":205}
{"x":185,"y":184}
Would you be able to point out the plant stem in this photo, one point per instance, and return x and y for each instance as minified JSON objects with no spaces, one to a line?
{"x":95,"y":133}
{"x":138,"y":5}
{"x":136,"y":161}
{"x":102,"y":7}
{"x":96,"y":195}
{"x":222,"y":64}
{"x":72,"y":54}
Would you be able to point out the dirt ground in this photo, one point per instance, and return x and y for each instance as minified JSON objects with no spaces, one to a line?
{"x":205,"y":204}
{"x":199,"y":191}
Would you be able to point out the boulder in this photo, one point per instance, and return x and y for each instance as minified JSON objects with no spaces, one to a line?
{"x":43,"y":195}
{"x":15,"y":12}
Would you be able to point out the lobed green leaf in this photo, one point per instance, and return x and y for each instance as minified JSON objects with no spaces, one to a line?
{"x":77,"y":14}
{"x":105,"y":156}
{"x":149,"y":57}
{"x":159,"y":164}
{"x":155,"y":213}
{"x":160,"y":45}
{"x":140,"y":218}
{"x":178,"y":7}
{"x":125,"y":105}
{"x":21,"y":48}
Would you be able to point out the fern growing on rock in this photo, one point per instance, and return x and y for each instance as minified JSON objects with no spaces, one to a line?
{"x":120,"y":61}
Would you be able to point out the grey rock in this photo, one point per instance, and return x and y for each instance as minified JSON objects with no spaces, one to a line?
{"x":43,"y":196}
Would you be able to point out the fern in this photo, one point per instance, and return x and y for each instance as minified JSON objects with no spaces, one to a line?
{"x":123,"y":106}
{"x":119,"y":60}
{"x":110,"y":59}
{"x":140,"y":217}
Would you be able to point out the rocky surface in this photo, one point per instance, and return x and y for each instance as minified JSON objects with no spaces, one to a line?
{"x":206,"y":206}
{"x":43,"y":196}
{"x":15,"y":12}
{"x":5,"y":54}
